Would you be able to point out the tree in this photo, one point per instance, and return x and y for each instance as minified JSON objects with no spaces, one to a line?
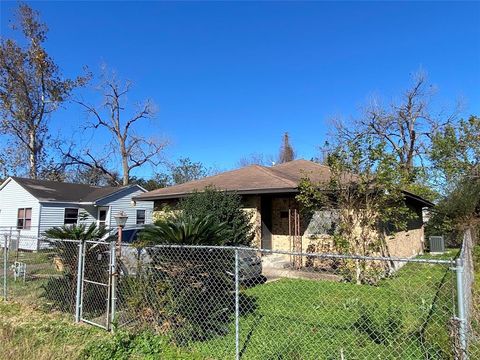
{"x":131,"y":149}
{"x":455,"y":157}
{"x":256,"y":159}
{"x":31,"y":89}
{"x":186,"y":170}
{"x":158,"y":181}
{"x":81,"y":174}
{"x":455,"y":152}
{"x":286,"y":151}
{"x":365,"y":191}
{"x":403,"y":126}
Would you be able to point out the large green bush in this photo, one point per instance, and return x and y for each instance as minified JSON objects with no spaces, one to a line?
{"x":193,"y":290}
{"x":223,"y":207}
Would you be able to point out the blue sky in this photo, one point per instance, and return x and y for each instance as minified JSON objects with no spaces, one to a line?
{"x":230,"y":78}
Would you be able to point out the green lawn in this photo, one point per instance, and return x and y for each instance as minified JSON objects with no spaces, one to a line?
{"x":402,"y":317}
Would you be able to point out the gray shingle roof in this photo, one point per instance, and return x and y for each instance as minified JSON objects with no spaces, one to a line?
{"x":56,"y":191}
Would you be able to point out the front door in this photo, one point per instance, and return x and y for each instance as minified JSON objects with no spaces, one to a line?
{"x":102,"y":217}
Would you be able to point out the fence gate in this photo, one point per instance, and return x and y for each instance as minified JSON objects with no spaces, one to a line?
{"x":95,"y":294}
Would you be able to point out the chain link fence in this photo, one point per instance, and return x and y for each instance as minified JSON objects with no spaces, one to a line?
{"x":243,"y":303}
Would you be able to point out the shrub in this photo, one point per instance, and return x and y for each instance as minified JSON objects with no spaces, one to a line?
{"x":184,"y":229}
{"x":194,"y":297}
{"x":225,"y":208}
{"x":124,"y":345}
{"x":60,"y":291}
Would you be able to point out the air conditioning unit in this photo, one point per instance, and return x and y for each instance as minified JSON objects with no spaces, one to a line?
{"x":437,"y":244}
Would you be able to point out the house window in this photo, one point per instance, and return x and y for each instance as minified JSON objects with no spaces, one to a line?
{"x":140,"y":217}
{"x":24,"y":218}
{"x":102,"y":217}
{"x":71,"y":216}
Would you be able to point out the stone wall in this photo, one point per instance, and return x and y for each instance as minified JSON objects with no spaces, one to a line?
{"x":252,"y":205}
{"x":406,"y":243}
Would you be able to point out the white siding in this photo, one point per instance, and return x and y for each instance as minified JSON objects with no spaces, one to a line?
{"x":123,"y":202}
{"x":13,"y":197}
{"x":53,"y":214}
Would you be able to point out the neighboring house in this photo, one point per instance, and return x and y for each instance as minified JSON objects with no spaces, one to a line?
{"x":269,"y":193}
{"x":29,"y":207}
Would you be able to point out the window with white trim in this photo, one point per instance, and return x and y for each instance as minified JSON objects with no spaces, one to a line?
{"x":24,"y":218}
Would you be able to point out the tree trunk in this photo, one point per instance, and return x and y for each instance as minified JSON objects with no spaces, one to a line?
{"x":32,"y":154}
{"x":125,"y":168}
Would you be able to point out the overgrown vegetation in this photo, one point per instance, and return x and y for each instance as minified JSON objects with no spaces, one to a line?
{"x":192,"y":287}
{"x":365,"y":190}
{"x":222,"y":207}
{"x":60,"y":290}
{"x":404,"y":316}
{"x":127,"y":346}
{"x":27,"y":333}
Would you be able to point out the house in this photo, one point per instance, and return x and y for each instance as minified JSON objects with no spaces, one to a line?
{"x":269,"y":193}
{"x":29,"y":207}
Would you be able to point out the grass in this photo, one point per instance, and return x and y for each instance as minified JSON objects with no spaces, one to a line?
{"x":475,"y":339}
{"x":402,"y":317}
{"x":26,"y":333}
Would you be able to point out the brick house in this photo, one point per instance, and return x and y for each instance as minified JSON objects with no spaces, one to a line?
{"x":269,"y":194}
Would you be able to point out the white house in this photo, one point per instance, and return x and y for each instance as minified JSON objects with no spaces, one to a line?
{"x":29,"y":207}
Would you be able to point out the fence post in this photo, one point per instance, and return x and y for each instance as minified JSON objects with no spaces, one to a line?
{"x":5,"y":267}
{"x":78,"y":302}
{"x":237,"y":312}
{"x":462,"y":328}
{"x":113,"y":283}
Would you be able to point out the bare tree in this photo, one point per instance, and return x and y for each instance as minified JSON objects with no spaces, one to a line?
{"x":31,"y":88}
{"x":405,"y":126}
{"x":132,"y":149}
{"x":256,"y":159}
{"x":286,"y":151}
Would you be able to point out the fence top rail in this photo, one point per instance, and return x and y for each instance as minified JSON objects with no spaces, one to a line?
{"x":294,"y":253}
{"x":59,"y":240}
{"x":96,"y":242}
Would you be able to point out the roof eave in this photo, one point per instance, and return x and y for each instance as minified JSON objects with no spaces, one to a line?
{"x":425,"y":202}
{"x":146,"y":197}
{"x":66,"y":202}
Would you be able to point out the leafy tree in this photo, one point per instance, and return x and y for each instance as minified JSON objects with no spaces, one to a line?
{"x":286,"y":151}
{"x":157,"y":182}
{"x":223,"y":207}
{"x":456,"y":211}
{"x":365,"y":189}
{"x":31,"y":89}
{"x":455,"y":152}
{"x":187,"y":170}
{"x":455,"y":156}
